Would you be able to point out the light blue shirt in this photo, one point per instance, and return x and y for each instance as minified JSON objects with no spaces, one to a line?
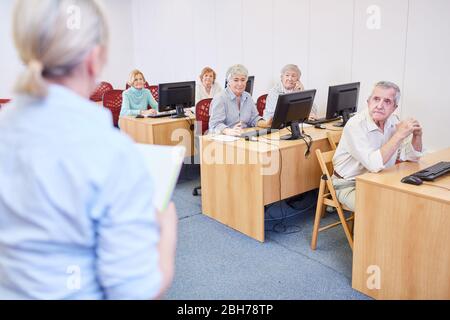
{"x":76,"y":213}
{"x":225,"y":113}
{"x":134,"y":100}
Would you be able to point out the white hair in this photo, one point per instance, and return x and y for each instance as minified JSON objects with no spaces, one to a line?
{"x":389,"y":85}
{"x":237,"y":69}
{"x":291,"y":67}
{"x":53,"y":37}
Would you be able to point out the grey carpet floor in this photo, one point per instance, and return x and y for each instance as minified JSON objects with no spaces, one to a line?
{"x":215,"y":262}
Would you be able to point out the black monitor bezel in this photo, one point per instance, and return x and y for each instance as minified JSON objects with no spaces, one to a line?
{"x":333,"y":98}
{"x":162,"y":87}
{"x":279,"y":121}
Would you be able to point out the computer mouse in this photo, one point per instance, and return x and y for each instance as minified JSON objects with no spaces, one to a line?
{"x":139,"y":116}
{"x":412,"y":180}
{"x":320,"y":126}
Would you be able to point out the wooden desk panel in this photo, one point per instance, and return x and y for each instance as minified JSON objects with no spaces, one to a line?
{"x":160,"y":131}
{"x":237,"y":181}
{"x":403,"y":230}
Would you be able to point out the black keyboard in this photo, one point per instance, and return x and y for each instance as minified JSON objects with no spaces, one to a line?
{"x":258,"y":133}
{"x":434,"y":172}
{"x":322,"y":120}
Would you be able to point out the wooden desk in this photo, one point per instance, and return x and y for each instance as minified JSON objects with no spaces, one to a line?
{"x":403,"y":230}
{"x":240,"y":178}
{"x":161,"y":131}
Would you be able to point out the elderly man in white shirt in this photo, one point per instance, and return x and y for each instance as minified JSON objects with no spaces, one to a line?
{"x":374,"y":140}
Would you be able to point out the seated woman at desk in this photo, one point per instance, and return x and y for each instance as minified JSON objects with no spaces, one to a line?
{"x":207,"y":87}
{"x":234,"y":109}
{"x":290,"y":82}
{"x":137,"y":99}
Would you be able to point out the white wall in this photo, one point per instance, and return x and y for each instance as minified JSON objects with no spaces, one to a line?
{"x":333,"y":42}
{"x":427,"y":70}
{"x":121,"y":53}
{"x":121,"y":47}
{"x":10,"y":66}
{"x":172,"y":40}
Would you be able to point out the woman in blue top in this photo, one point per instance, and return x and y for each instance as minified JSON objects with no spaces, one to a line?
{"x":137,"y":98}
{"x":77,"y":219}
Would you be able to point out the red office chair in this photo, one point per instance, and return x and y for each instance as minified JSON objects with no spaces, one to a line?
{"x":113,"y":101}
{"x":103,"y":87}
{"x":4,"y":101}
{"x":261,"y":104}
{"x":153,"y":90}
{"x":202,"y":115}
{"x":202,"y":119}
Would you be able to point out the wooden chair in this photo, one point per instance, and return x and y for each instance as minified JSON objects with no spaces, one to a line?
{"x":202,"y":120}
{"x":334,"y":138}
{"x":113,"y":101}
{"x":261,"y":104}
{"x":103,"y":87}
{"x":327,"y":196}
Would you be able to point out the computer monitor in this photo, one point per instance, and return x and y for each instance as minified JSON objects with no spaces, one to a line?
{"x":248,"y":87}
{"x":291,"y":110}
{"x":342,"y":101}
{"x":176,"y":96}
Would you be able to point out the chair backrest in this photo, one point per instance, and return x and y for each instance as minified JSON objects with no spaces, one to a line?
{"x":326,"y":162}
{"x":4,"y":101}
{"x":334,"y":138}
{"x":202,"y":114}
{"x":261,"y":104}
{"x":153,"y":89}
{"x":103,"y":87}
{"x":113,"y":101}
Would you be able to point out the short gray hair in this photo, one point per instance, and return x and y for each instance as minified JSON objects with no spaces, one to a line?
{"x":389,"y":85}
{"x":237,"y":69}
{"x":291,"y":67}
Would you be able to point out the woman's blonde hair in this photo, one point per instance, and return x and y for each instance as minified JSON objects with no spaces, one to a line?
{"x":53,"y":37}
{"x":133,"y":76}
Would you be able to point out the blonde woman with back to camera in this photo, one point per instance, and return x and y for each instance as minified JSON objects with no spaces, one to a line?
{"x":76,"y":214}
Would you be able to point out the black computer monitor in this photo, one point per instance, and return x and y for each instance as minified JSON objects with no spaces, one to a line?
{"x":342,"y":101}
{"x":176,"y":96}
{"x":248,"y":87}
{"x":291,"y":110}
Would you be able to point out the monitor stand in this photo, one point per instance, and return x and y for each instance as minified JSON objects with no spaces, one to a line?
{"x":180,"y":113}
{"x":296,"y":133}
{"x":345,"y":118}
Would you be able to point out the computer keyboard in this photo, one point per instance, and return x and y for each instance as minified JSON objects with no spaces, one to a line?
{"x":433,"y":172}
{"x":322,"y":120}
{"x":163,"y":114}
{"x":258,"y":133}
